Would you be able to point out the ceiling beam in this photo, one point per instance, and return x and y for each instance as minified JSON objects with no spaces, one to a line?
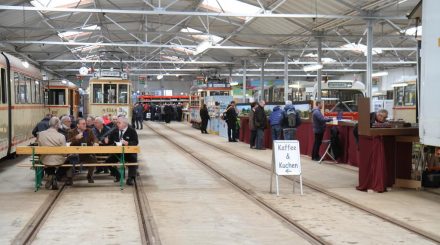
{"x":196,"y":13}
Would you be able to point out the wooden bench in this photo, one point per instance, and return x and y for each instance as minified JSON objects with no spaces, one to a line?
{"x":36,"y":151}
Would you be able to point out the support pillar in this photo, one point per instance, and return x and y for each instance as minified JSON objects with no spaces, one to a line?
{"x":319,"y":72}
{"x":286,"y":77}
{"x":262,"y":79}
{"x":244,"y":80}
{"x":369,"y":72}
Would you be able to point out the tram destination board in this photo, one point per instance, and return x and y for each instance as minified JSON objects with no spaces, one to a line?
{"x":340,"y":84}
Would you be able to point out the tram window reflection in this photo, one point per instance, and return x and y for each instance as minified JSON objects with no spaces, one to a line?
{"x":57,"y":97}
{"x":97,"y":93}
{"x":110,"y":93}
{"x":123,"y":94}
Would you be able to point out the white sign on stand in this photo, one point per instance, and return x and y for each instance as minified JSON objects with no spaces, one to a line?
{"x":286,"y":160}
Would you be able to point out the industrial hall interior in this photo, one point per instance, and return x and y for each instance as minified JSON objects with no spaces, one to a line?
{"x":219,"y":122}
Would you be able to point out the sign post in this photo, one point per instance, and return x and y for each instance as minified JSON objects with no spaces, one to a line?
{"x":286,"y":160}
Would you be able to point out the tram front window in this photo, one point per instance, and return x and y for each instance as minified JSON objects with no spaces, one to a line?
{"x":57,"y":97}
{"x":97,"y":93}
{"x":123,"y":94}
{"x":342,"y":100}
{"x":110,"y":93}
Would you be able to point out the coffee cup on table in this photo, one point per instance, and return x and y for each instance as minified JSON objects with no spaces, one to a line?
{"x":68,"y":144}
{"x":119,"y":143}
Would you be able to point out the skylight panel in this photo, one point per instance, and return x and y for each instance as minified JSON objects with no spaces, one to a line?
{"x":205,"y":37}
{"x":59,"y":3}
{"x":74,"y":34}
{"x":230,"y":6}
{"x":323,"y":60}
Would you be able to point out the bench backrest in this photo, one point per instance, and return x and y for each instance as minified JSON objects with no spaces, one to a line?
{"x":61,"y":150}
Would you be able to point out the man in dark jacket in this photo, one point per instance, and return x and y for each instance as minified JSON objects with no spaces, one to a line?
{"x":319,"y":125}
{"x":65,"y":126}
{"x":127,"y":136}
{"x":260,"y":122}
{"x":179,"y":112}
{"x":42,"y":125}
{"x":275,"y":120}
{"x":139,"y":116}
{"x":252,"y":128}
{"x":204,"y":115}
{"x":231,"y":120}
{"x":289,"y":130}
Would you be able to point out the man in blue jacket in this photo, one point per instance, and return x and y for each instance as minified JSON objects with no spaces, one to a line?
{"x":319,"y":124}
{"x":275,"y":120}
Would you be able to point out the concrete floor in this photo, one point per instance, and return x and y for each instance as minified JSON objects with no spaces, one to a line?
{"x":192,"y":205}
{"x":420,"y":209}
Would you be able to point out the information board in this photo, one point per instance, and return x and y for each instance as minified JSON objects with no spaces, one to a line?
{"x":287,"y":158}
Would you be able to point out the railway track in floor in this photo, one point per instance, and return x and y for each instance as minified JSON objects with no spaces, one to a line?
{"x":427,"y":235}
{"x":298,"y":228}
{"x":149,"y":234}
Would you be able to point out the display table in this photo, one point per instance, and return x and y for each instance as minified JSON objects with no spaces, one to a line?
{"x":305,"y":137}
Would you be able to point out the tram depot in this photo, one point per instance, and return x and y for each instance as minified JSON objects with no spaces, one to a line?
{"x":219,"y":122}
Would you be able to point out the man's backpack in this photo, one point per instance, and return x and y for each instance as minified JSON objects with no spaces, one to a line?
{"x":291,"y":116}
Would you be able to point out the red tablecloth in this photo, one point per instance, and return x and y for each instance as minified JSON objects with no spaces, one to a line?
{"x":382,"y":160}
{"x":306,"y":138}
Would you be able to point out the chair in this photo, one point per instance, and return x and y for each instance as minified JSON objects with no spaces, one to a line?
{"x":327,"y":151}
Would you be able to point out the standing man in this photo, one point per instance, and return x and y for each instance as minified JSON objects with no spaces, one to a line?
{"x":127,"y":136}
{"x":80,"y":136}
{"x":231,"y":120}
{"x":319,"y":124}
{"x":42,"y":125}
{"x":252,"y":125}
{"x":179,"y":112}
{"x":204,"y":115}
{"x":260,"y":121}
{"x":139,"y":116}
{"x":275,"y":120}
{"x":292,"y":120}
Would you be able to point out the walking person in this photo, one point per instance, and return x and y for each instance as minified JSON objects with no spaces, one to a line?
{"x":231,"y":120}
{"x":204,"y":115}
{"x":291,"y":121}
{"x":260,"y":121}
{"x":139,"y":116}
{"x":319,"y":125}
{"x":275,"y":120}
{"x":252,"y":125}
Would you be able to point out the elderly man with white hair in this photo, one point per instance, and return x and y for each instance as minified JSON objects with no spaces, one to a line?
{"x":127,"y":136}
{"x":51,"y":137}
{"x":65,"y":124}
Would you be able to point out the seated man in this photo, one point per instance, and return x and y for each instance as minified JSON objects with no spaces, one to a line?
{"x":51,"y":137}
{"x":82,"y":135}
{"x":378,"y":117}
{"x":101,"y":132}
{"x":127,"y":136}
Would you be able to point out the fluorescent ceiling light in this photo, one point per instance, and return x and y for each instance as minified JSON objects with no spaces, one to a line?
{"x":360,"y":48}
{"x":399,"y":85}
{"x":59,"y":3}
{"x":64,"y":81}
{"x":25,"y":63}
{"x":230,"y":6}
{"x":323,"y":60}
{"x":412,"y":31}
{"x":160,"y":76}
{"x":380,"y":74}
{"x":313,"y":67}
{"x":204,"y":37}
